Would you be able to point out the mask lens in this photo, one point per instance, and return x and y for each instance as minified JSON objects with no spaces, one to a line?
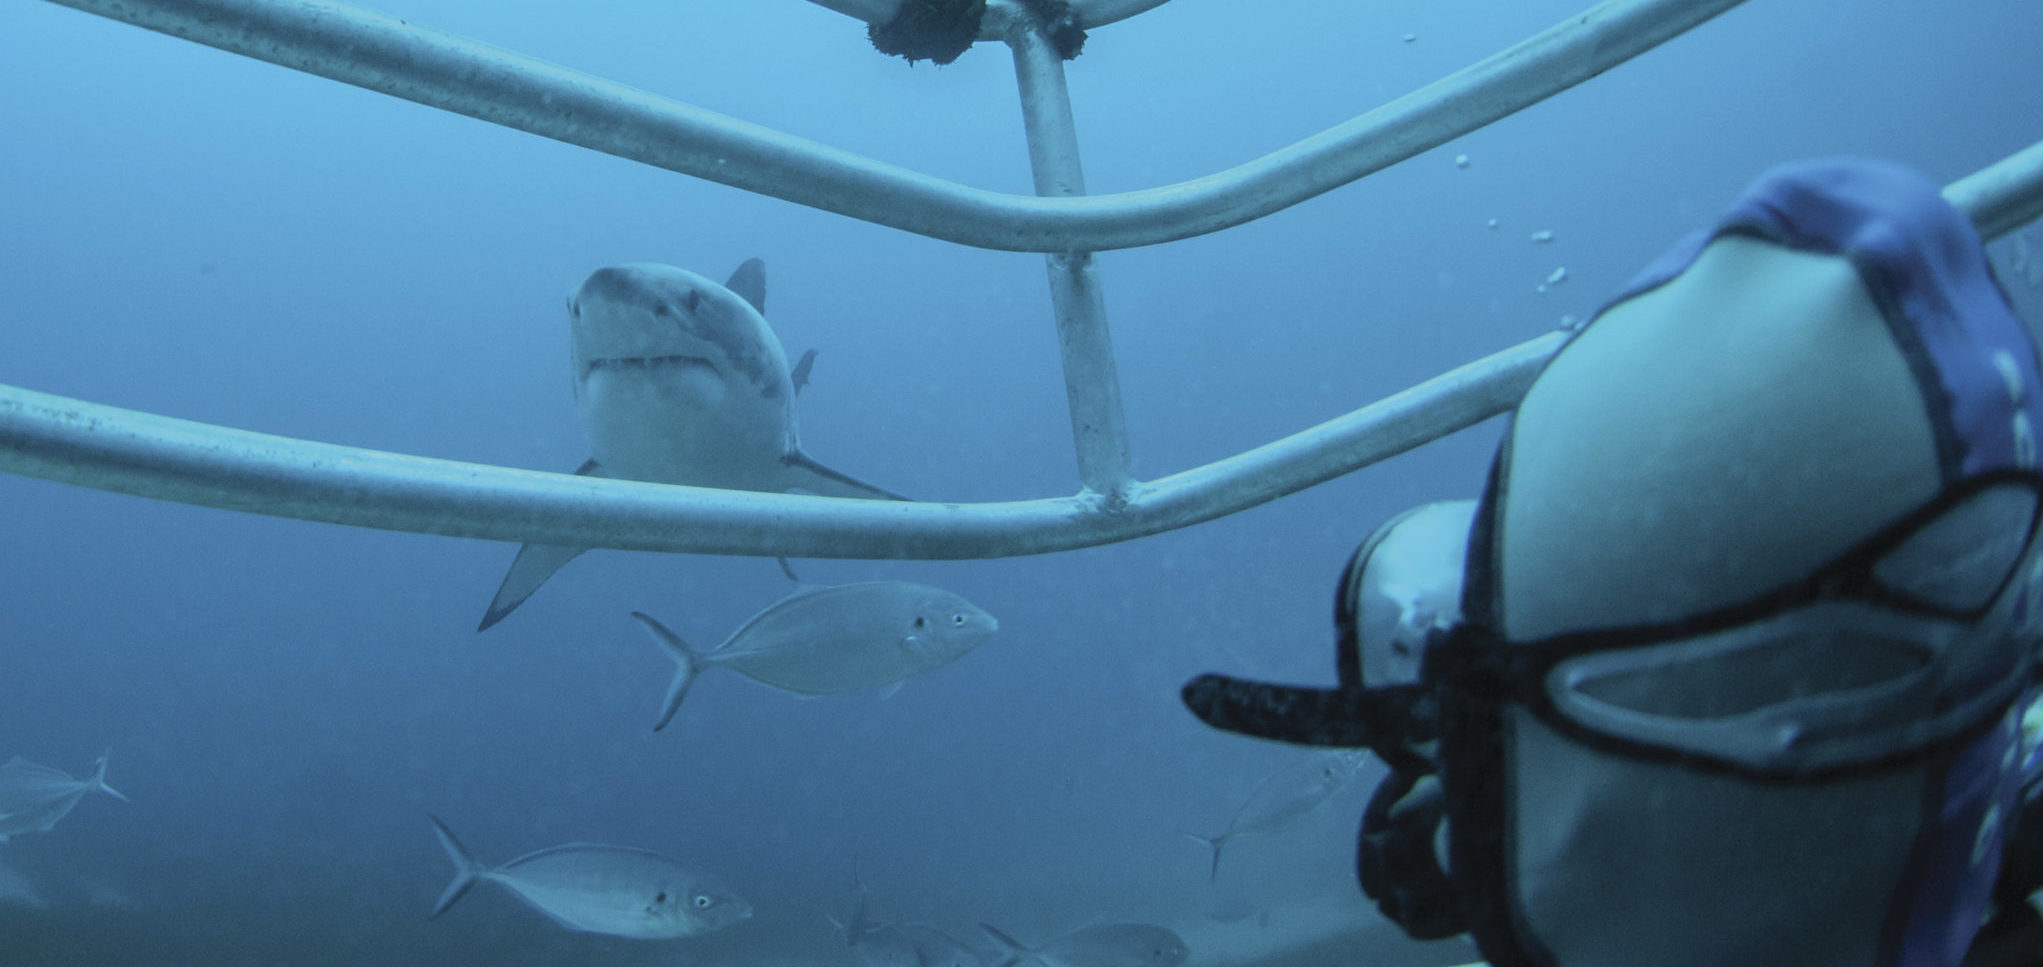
{"x":1716,"y":680}
{"x":1820,"y":686}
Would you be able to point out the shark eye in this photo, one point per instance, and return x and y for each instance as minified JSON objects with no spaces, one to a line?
{"x":957,"y":621}
{"x":921,"y":622}
{"x":692,"y":300}
{"x":661,"y":898}
{"x":704,"y":901}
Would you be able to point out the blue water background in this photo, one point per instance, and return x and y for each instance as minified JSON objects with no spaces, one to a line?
{"x":196,"y":234}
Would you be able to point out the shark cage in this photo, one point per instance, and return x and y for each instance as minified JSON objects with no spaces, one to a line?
{"x":91,"y":445}
{"x":78,"y":442}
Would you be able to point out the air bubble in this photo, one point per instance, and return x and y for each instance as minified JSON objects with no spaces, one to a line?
{"x":1543,"y":236}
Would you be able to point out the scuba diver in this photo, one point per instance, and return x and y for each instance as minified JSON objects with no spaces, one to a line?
{"x":1731,"y":661}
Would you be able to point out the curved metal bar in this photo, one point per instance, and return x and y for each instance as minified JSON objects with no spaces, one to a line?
{"x":442,"y":70}
{"x":75,"y":442}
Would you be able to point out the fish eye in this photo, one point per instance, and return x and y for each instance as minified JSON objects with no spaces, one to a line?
{"x":921,"y":622}
{"x":703,"y":901}
{"x":958,"y":620}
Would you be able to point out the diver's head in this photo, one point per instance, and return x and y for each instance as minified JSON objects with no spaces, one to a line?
{"x":1747,"y":600}
{"x":1747,"y":613}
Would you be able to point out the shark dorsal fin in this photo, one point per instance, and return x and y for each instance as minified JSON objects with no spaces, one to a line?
{"x":749,"y":282}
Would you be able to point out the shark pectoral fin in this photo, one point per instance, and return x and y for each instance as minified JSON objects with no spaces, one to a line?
{"x":788,"y":570}
{"x":804,"y":473}
{"x":533,"y":565}
{"x":530,"y":569}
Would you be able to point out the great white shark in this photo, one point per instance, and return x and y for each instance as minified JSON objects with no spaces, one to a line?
{"x":679,"y":380}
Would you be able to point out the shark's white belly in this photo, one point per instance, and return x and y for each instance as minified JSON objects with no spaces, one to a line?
{"x":684,"y":425}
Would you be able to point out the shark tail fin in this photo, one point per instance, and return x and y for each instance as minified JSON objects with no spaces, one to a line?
{"x":1213,"y":843}
{"x":99,"y":777}
{"x":530,"y":569}
{"x":806,"y":474}
{"x":466,"y":869}
{"x":687,"y":665}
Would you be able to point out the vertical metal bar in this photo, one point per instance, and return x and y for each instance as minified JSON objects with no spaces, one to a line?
{"x":1092,"y":385}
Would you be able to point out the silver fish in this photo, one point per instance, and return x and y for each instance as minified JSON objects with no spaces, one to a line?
{"x":1102,"y":945}
{"x":602,"y":889}
{"x":835,"y":639}
{"x":679,"y":380}
{"x":1285,"y":797}
{"x":33,"y":797}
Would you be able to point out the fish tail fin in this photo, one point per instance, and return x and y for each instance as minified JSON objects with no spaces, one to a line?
{"x":466,"y":869}
{"x":1011,"y":950}
{"x":686,"y":665}
{"x":99,"y":777}
{"x":1213,"y":843}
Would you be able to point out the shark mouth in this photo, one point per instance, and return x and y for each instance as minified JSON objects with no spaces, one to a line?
{"x":646,"y":364}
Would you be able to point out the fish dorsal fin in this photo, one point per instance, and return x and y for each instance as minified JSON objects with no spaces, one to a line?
{"x":749,"y":282}
{"x":800,"y":592}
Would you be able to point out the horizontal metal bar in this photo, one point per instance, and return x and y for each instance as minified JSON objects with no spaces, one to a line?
{"x":75,"y":442}
{"x":439,"y":69}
